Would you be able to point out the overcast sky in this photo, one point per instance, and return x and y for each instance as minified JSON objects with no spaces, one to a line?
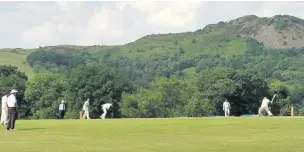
{"x":34,"y":24}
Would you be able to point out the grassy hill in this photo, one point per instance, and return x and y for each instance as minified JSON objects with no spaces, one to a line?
{"x":17,"y":57}
{"x":224,"y":38}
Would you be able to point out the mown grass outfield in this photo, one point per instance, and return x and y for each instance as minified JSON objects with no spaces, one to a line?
{"x":155,"y":135}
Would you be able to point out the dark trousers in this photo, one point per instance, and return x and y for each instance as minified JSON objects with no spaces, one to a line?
{"x":62,"y":112}
{"x":12,"y":116}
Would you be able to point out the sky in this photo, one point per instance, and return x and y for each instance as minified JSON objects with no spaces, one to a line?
{"x":34,"y":24}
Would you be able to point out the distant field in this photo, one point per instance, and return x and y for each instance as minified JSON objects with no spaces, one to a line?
{"x":155,"y":135}
{"x":16,"y":58}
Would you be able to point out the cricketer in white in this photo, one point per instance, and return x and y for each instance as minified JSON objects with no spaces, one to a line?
{"x":4,"y":110}
{"x":226,"y":108}
{"x":105,"y":107}
{"x":264,"y":106}
{"x":12,"y":110}
{"x":86,"y":109}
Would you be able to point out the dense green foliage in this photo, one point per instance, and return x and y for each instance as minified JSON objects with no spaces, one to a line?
{"x":100,"y":84}
{"x":53,"y":61}
{"x":181,"y":83}
{"x":45,"y":92}
{"x":12,"y":78}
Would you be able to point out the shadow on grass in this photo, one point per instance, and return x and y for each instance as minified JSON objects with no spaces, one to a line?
{"x":30,"y":129}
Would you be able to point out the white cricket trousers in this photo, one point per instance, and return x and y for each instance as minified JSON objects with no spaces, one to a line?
{"x":4,"y":116}
{"x":86,"y":114}
{"x":265,"y":108}
{"x":103,"y":116}
{"x":227,"y":112}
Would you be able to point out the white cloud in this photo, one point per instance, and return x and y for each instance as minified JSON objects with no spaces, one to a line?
{"x":68,"y":7}
{"x":265,"y":13}
{"x":89,"y":23}
{"x":146,"y":6}
{"x":99,"y":22}
{"x":179,"y":14}
{"x":40,"y":33}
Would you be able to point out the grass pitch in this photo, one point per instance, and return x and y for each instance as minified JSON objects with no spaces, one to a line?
{"x":155,"y":135}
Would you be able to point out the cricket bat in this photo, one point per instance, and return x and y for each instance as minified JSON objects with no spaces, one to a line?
{"x":273,"y":98}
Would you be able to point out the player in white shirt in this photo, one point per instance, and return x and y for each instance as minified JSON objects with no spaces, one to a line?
{"x":226,"y":108}
{"x":264,"y":106}
{"x":62,"y":110}
{"x":4,"y":110}
{"x":105,"y":107}
{"x":12,"y":110}
{"x":85,"y":108}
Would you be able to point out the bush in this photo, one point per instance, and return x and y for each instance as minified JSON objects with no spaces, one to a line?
{"x":294,"y":38}
{"x":281,"y":24}
{"x":284,"y":43}
{"x":140,"y":50}
{"x":194,"y":40}
{"x":181,"y":50}
{"x":270,"y":21}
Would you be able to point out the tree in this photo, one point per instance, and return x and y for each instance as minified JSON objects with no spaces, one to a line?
{"x":162,"y":99}
{"x":45,"y":92}
{"x":283,"y":102}
{"x":99,"y":83}
{"x":241,"y":88}
{"x":12,"y":78}
{"x":194,"y":40}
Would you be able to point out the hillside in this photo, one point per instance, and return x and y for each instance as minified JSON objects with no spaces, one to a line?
{"x":280,"y":31}
{"x":17,"y":57}
{"x":184,"y":74}
{"x":223,"y":38}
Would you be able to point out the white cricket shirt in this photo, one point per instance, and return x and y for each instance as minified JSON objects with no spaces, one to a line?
{"x":226,"y":105}
{"x":106,"y":105}
{"x":86,"y":105}
{"x":265,"y":102}
{"x":61,"y":106}
{"x":11,"y":101}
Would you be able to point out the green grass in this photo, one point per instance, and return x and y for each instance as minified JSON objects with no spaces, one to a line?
{"x":150,"y":135}
{"x":17,"y":58}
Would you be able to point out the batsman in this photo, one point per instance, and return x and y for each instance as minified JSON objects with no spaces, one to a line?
{"x":264,"y":106}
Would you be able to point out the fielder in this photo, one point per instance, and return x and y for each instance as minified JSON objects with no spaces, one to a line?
{"x":86,"y":109}
{"x":62,"y":110}
{"x":105,"y":107}
{"x":226,"y":108}
{"x":4,"y":110}
{"x":12,"y":110}
{"x":264,"y":106}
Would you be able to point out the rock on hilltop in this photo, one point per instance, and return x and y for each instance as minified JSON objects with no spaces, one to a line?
{"x":280,"y":31}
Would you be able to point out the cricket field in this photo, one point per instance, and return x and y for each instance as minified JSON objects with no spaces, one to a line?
{"x":252,"y":134}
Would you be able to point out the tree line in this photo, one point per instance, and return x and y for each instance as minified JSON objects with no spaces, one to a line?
{"x":161,"y":86}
